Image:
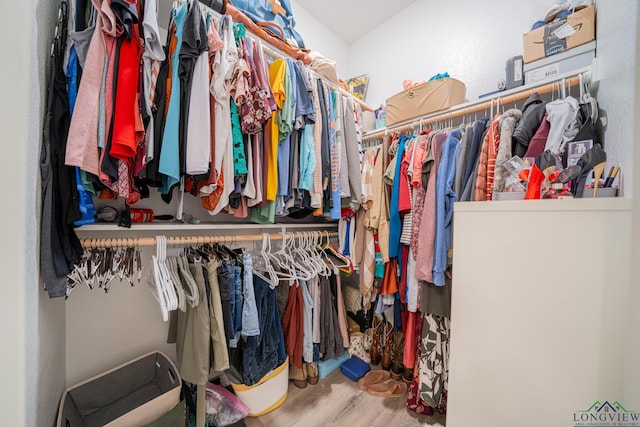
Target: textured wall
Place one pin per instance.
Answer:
(318, 37)
(45, 317)
(15, 31)
(471, 41)
(617, 26)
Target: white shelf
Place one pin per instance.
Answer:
(562, 205)
(175, 226)
(498, 95)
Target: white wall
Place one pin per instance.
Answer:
(104, 330)
(470, 40)
(616, 34)
(317, 37)
(473, 42)
(14, 115)
(539, 321)
(45, 317)
(632, 367)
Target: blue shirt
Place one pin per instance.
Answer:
(395, 222)
(336, 207)
(169, 164)
(445, 197)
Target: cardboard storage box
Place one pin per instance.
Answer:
(564, 62)
(426, 98)
(554, 37)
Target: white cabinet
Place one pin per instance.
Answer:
(540, 310)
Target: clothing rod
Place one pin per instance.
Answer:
(481, 106)
(130, 242)
(266, 45)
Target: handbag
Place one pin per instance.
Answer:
(269, 12)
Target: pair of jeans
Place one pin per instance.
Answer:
(250, 322)
(225, 280)
(236, 307)
(261, 353)
(220, 353)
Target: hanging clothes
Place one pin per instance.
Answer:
(60, 248)
(331, 344)
(169, 165)
(293, 325)
(194, 100)
(445, 197)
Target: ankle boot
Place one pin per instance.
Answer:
(312, 373)
(376, 342)
(398, 355)
(387, 350)
(356, 346)
(298, 376)
(367, 340)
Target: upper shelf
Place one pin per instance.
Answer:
(564, 205)
(177, 226)
(500, 99)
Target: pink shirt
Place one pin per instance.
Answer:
(425, 248)
(82, 141)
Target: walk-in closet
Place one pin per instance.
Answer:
(299, 213)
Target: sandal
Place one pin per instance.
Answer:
(388, 388)
(371, 378)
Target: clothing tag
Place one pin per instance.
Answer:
(564, 31)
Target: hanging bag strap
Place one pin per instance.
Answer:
(269, 27)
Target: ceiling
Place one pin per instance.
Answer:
(348, 19)
(352, 19)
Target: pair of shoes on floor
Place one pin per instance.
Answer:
(307, 375)
(379, 383)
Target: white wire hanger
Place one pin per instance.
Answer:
(262, 266)
(157, 282)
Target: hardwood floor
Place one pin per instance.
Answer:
(336, 401)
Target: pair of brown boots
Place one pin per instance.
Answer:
(387, 347)
(307, 375)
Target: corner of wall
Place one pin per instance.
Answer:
(617, 24)
(45, 318)
(632, 368)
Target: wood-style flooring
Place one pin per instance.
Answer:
(336, 401)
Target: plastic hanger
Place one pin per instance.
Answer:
(266, 248)
(271, 260)
(262, 265)
(329, 249)
(168, 285)
(304, 250)
(156, 284)
(172, 265)
(323, 267)
(192, 294)
(281, 259)
(301, 270)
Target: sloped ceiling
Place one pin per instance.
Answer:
(352, 19)
(348, 19)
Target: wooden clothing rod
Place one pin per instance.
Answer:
(131, 242)
(268, 46)
(481, 106)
